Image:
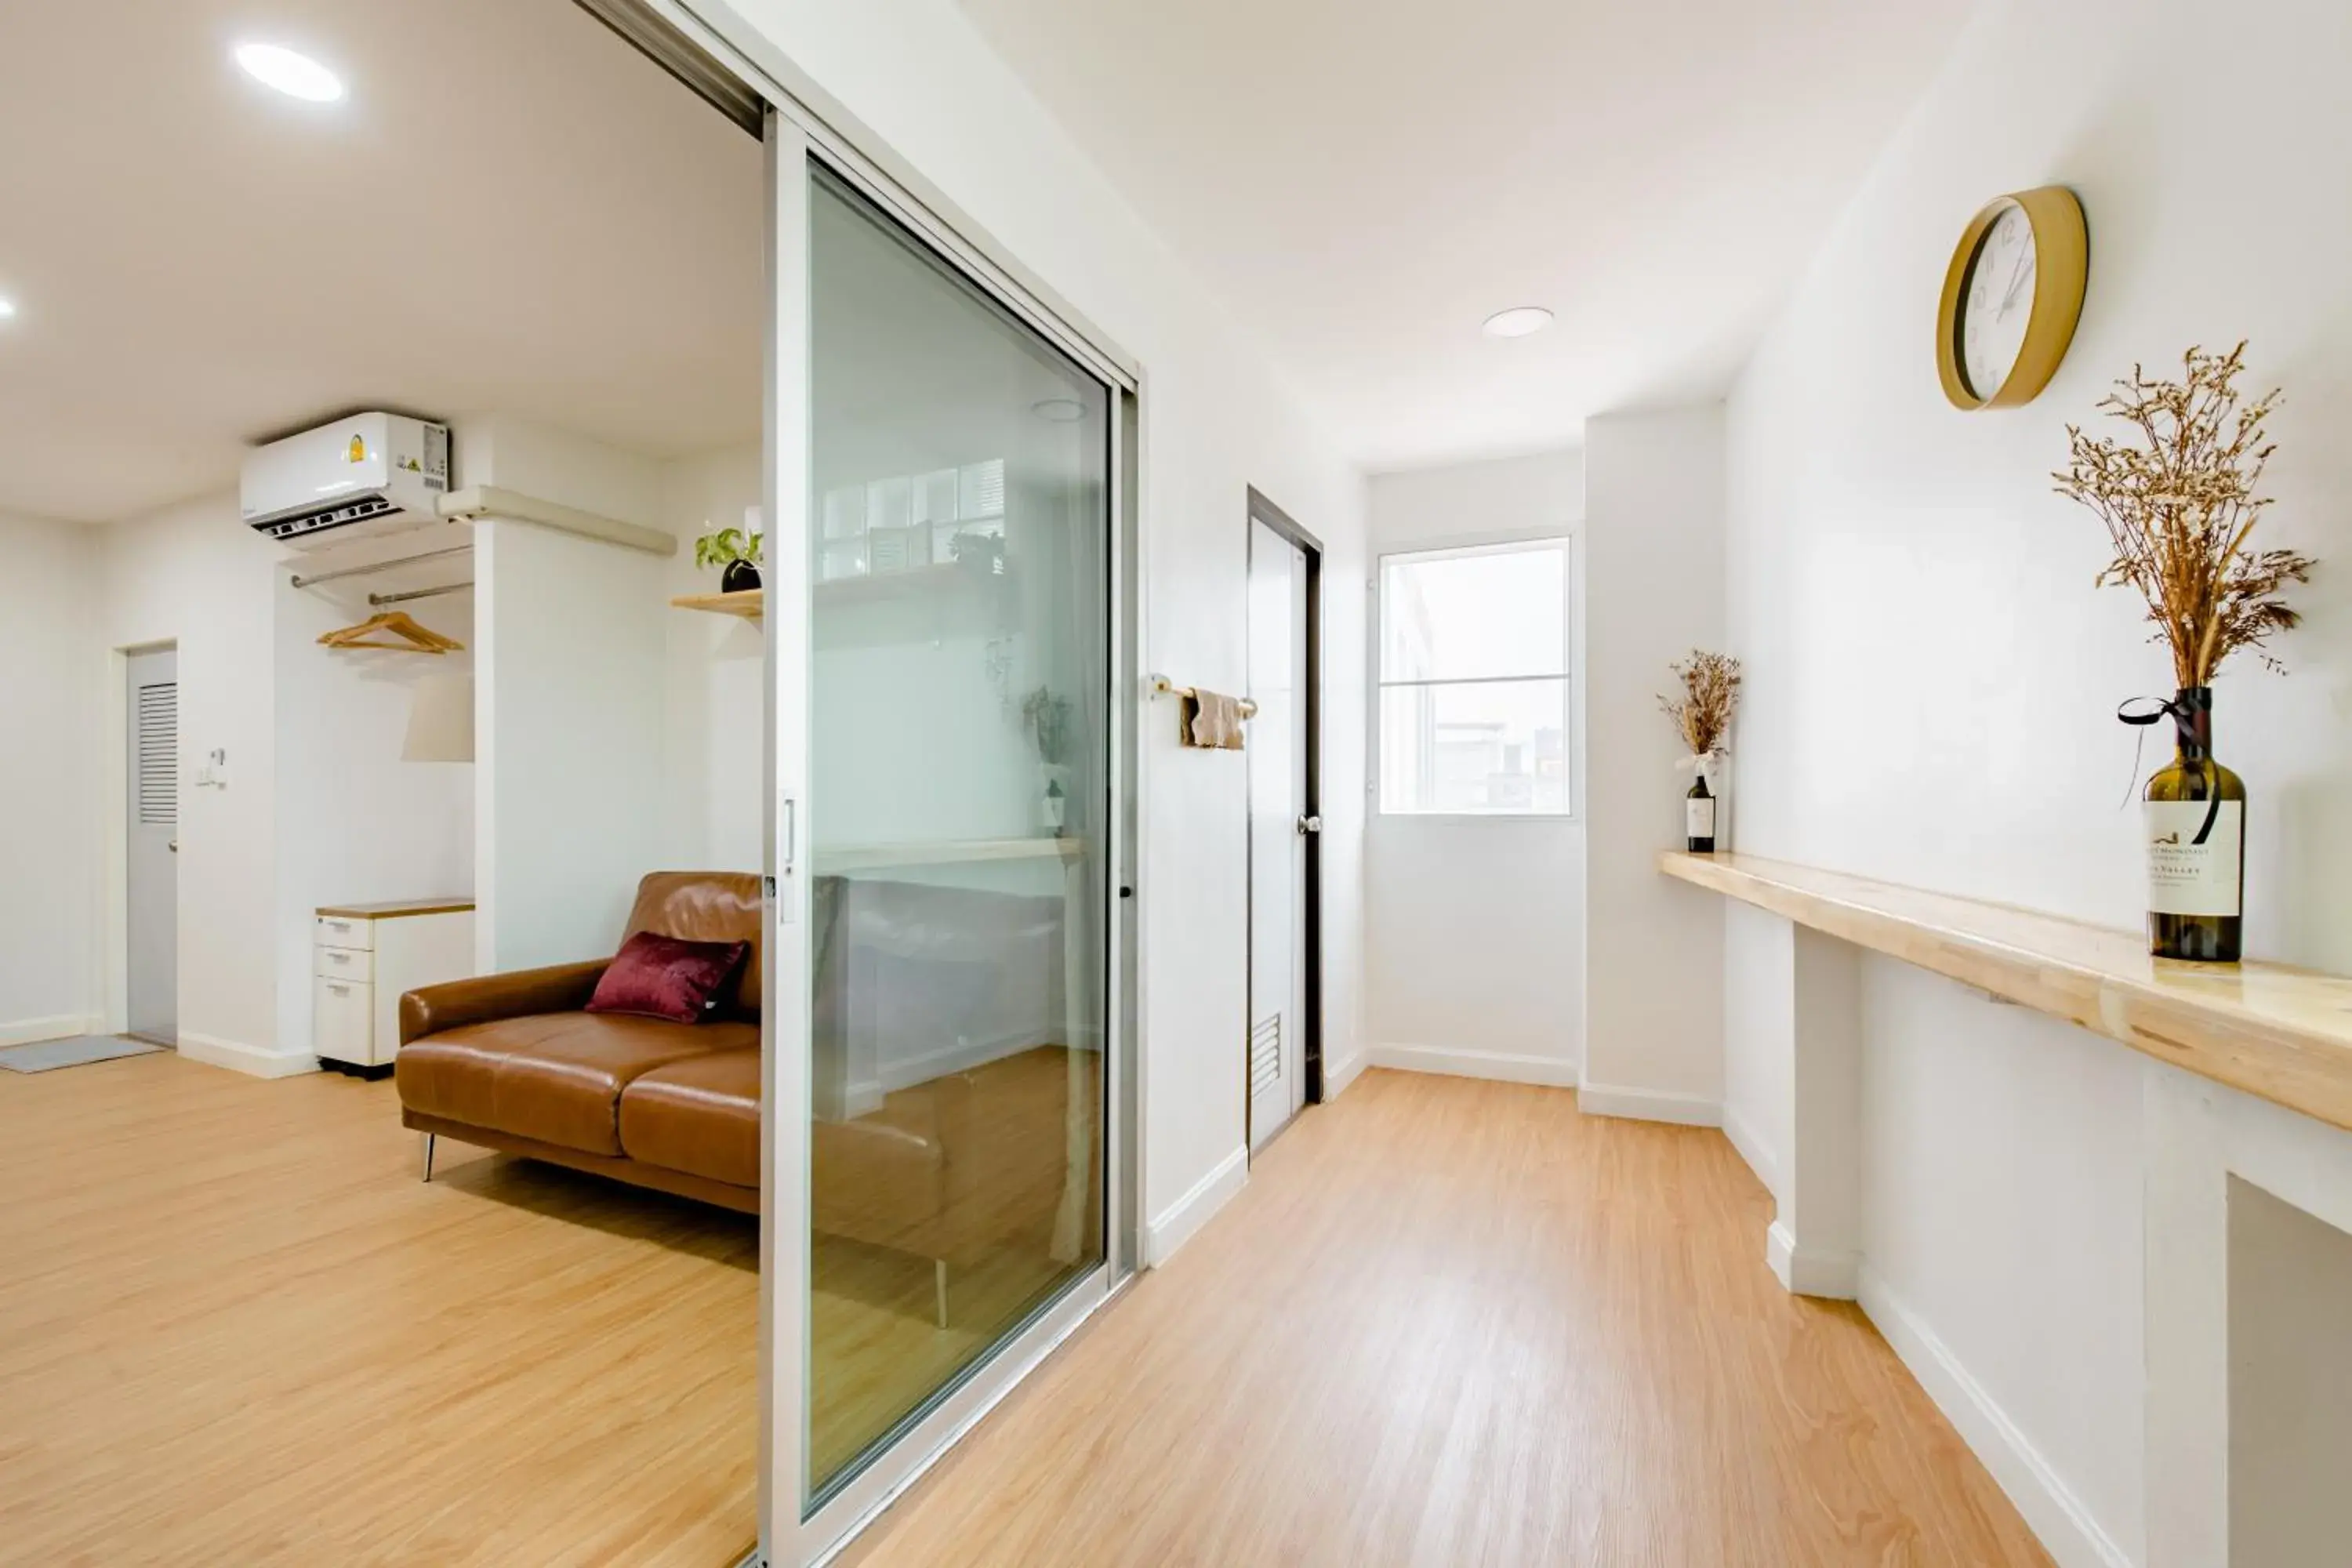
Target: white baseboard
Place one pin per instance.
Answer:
(249, 1060)
(2054, 1514)
(1501, 1066)
(1337, 1076)
(1752, 1149)
(1174, 1225)
(30, 1031)
(1648, 1105)
(1811, 1271)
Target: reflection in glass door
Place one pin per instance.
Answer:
(958, 816)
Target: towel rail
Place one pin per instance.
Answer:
(1163, 686)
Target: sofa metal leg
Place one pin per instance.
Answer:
(429, 1138)
(940, 1287)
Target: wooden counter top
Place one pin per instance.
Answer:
(945, 852)
(396, 908)
(2283, 1034)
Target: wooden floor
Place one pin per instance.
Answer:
(236, 1329)
(1447, 1323)
(1457, 1323)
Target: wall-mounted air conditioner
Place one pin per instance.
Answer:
(366, 475)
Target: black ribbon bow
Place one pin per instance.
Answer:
(2185, 726)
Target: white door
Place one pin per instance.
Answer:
(151, 961)
(1277, 789)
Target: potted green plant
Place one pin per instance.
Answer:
(734, 550)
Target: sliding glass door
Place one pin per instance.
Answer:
(958, 798)
(945, 539)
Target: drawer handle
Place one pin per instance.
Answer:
(339, 957)
(338, 988)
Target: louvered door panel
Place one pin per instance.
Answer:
(159, 754)
(1265, 1058)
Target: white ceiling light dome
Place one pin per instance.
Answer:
(295, 75)
(1518, 322)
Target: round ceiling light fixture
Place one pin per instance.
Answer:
(296, 75)
(1059, 410)
(8, 307)
(1518, 322)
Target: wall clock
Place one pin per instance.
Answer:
(2012, 297)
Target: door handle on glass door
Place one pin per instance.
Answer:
(1310, 825)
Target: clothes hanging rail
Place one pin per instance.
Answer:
(1163, 686)
(379, 600)
(313, 581)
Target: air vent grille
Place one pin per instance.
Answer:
(1265, 1056)
(333, 516)
(159, 754)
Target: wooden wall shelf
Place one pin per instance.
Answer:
(751, 604)
(2281, 1033)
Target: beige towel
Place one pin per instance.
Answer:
(1212, 721)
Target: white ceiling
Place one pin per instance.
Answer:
(511, 211)
(1363, 182)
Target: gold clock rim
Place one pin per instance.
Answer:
(2061, 269)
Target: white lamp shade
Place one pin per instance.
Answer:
(441, 720)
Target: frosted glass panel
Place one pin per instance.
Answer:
(958, 806)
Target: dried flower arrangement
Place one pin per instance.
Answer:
(2180, 510)
(1710, 693)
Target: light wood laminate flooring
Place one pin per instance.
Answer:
(1451, 1323)
(236, 1328)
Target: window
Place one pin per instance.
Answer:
(1474, 697)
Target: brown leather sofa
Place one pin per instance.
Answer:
(512, 1062)
(961, 1169)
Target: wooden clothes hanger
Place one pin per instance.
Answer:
(399, 624)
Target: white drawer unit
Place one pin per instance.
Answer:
(343, 963)
(343, 931)
(364, 957)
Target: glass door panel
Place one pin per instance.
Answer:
(959, 560)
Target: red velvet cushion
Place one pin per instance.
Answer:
(666, 977)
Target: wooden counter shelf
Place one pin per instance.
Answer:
(2279, 1032)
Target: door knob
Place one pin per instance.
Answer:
(1310, 825)
(173, 846)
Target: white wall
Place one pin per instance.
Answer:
(1653, 591)
(1216, 422)
(1931, 676)
(193, 573)
(2290, 1383)
(1473, 930)
(714, 778)
(356, 823)
(571, 670)
(52, 709)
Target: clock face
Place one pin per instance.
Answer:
(1998, 303)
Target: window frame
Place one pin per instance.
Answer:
(1569, 539)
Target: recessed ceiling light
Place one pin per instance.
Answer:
(296, 75)
(1518, 322)
(1060, 410)
(8, 308)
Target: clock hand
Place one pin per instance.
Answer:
(2017, 279)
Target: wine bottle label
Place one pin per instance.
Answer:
(2185, 876)
(1698, 817)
